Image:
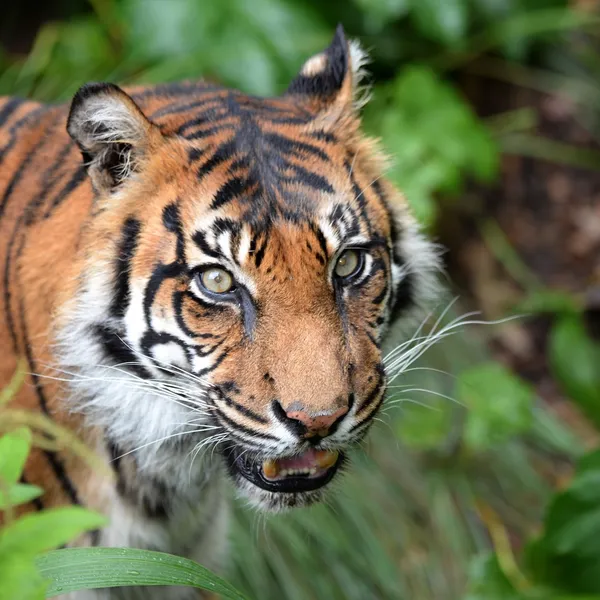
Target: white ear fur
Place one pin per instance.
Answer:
(111, 131)
(359, 58)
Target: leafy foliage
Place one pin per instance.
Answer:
(27, 572)
(575, 360)
(563, 563)
(434, 137)
(23, 538)
(499, 405)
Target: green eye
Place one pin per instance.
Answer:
(217, 281)
(348, 264)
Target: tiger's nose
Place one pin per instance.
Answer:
(310, 425)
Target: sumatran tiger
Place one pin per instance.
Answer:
(202, 297)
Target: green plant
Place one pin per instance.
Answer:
(25, 537)
(28, 570)
(563, 562)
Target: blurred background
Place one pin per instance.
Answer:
(490, 110)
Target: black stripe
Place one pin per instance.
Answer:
(403, 296)
(54, 460)
(243, 410)
(117, 350)
(246, 430)
(217, 362)
(195, 153)
(174, 108)
(199, 239)
(326, 136)
(16, 177)
(204, 133)
(78, 177)
(49, 179)
(205, 350)
(170, 218)
(223, 153)
(379, 385)
(359, 196)
(321, 239)
(260, 253)
(9, 108)
(294, 147)
(25, 120)
(161, 273)
(172, 222)
(307, 178)
(130, 232)
(230, 190)
(381, 296)
(22, 122)
(7, 286)
(173, 90)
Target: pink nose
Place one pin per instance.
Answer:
(317, 425)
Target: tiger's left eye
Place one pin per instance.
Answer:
(348, 264)
(217, 281)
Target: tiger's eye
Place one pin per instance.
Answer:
(217, 281)
(347, 264)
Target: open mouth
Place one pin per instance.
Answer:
(300, 473)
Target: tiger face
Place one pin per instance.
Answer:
(247, 259)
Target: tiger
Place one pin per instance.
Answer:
(200, 282)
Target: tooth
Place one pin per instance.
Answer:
(326, 458)
(312, 471)
(270, 469)
(283, 473)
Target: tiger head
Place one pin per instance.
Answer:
(242, 263)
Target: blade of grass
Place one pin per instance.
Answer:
(75, 569)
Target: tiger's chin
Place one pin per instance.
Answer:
(279, 484)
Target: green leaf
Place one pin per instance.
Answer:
(575, 360)
(19, 494)
(548, 301)
(91, 568)
(488, 582)
(424, 426)
(203, 39)
(377, 13)
(499, 405)
(14, 450)
(433, 136)
(20, 579)
(443, 21)
(567, 554)
(39, 532)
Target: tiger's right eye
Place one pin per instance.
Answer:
(348, 264)
(217, 281)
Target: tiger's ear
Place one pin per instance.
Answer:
(330, 80)
(111, 131)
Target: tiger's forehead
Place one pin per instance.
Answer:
(258, 169)
(254, 170)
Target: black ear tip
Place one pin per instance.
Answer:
(340, 34)
(92, 89)
(338, 49)
(339, 42)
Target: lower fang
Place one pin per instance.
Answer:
(270, 469)
(326, 458)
